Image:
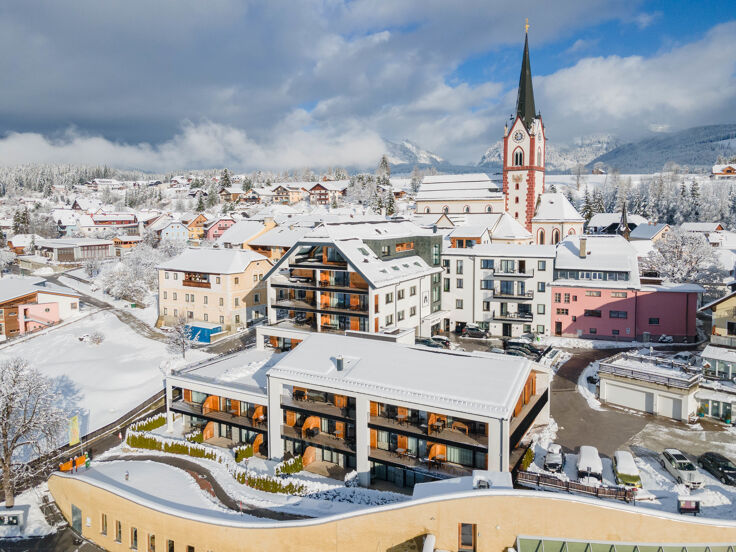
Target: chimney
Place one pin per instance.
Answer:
(583, 247)
(338, 363)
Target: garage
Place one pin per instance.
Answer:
(670, 407)
(630, 398)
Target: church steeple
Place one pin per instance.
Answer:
(525, 99)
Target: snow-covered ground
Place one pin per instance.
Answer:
(36, 524)
(100, 382)
(588, 390)
(147, 315)
(579, 343)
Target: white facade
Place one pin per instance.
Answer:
(523, 171)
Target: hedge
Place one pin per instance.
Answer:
(294, 465)
(151, 443)
(149, 424)
(243, 452)
(527, 459)
(269, 485)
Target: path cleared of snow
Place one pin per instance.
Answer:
(101, 382)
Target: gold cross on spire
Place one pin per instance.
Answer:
(526, 26)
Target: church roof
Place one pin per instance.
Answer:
(555, 207)
(525, 99)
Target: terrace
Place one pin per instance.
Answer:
(650, 369)
(458, 432)
(438, 468)
(255, 419)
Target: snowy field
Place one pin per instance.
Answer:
(100, 382)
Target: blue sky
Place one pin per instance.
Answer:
(181, 84)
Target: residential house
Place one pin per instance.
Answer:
(230, 194)
(720, 172)
(123, 243)
(289, 193)
(216, 227)
(366, 276)
(29, 304)
(215, 290)
(195, 223)
(240, 234)
(327, 192)
(610, 223)
(174, 231)
(650, 231)
(20, 244)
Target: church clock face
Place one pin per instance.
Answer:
(518, 136)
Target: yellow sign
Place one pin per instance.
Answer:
(73, 431)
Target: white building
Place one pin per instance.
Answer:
(459, 193)
(555, 218)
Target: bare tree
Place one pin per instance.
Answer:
(31, 420)
(7, 258)
(180, 338)
(91, 267)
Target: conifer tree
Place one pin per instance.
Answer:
(225, 179)
(587, 208)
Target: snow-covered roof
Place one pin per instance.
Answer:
(24, 240)
(484, 384)
(241, 231)
(603, 253)
(554, 206)
(332, 185)
(701, 226)
(385, 229)
(454, 187)
(213, 261)
(719, 353)
(508, 228)
(456, 178)
(504, 250)
(65, 217)
(647, 231)
(281, 236)
(603, 220)
(717, 301)
(717, 169)
(674, 287)
(61, 243)
(496, 480)
(10, 288)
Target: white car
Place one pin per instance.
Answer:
(554, 461)
(682, 469)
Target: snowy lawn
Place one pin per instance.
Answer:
(100, 382)
(36, 524)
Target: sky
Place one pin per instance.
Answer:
(176, 84)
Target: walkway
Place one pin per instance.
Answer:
(204, 475)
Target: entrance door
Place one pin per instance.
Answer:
(558, 328)
(506, 329)
(76, 519)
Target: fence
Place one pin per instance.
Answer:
(542, 480)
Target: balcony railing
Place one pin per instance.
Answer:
(441, 433)
(528, 273)
(677, 380)
(195, 409)
(513, 294)
(725, 340)
(196, 283)
(437, 468)
(513, 316)
(319, 437)
(302, 404)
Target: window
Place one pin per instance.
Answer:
(176, 275)
(654, 321)
(459, 266)
(166, 275)
(206, 300)
(540, 328)
(190, 548)
(618, 314)
(593, 313)
(516, 199)
(389, 319)
(151, 543)
(446, 265)
(730, 328)
(165, 295)
(540, 286)
(412, 311)
(614, 332)
(486, 306)
(618, 294)
(458, 303)
(413, 291)
(237, 280)
(446, 284)
(256, 297)
(518, 158)
(562, 311)
(400, 315)
(542, 265)
(567, 298)
(222, 319)
(222, 302)
(436, 254)
(103, 524)
(558, 297)
(217, 279)
(489, 209)
(540, 238)
(174, 295)
(190, 314)
(540, 308)
(255, 277)
(133, 538)
(574, 298)
(459, 283)
(166, 311)
(385, 250)
(593, 293)
(400, 295)
(466, 537)
(176, 312)
(237, 302)
(486, 264)
(169, 545)
(486, 284)
(593, 331)
(389, 298)
(118, 532)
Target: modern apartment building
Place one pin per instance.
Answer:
(392, 412)
(216, 290)
(502, 288)
(364, 276)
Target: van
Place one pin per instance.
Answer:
(589, 465)
(625, 469)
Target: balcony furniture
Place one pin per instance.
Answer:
(400, 452)
(439, 458)
(300, 396)
(460, 426)
(438, 426)
(401, 418)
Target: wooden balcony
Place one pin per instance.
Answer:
(196, 283)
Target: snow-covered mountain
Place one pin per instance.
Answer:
(560, 157)
(408, 153)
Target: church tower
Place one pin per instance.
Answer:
(524, 151)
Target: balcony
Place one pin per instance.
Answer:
(294, 304)
(305, 261)
(319, 438)
(448, 435)
(196, 283)
(513, 316)
(194, 409)
(501, 273)
(497, 294)
(306, 283)
(723, 340)
(438, 469)
(325, 409)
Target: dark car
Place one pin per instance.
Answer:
(531, 349)
(520, 352)
(472, 330)
(719, 467)
(428, 343)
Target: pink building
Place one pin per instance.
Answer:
(596, 293)
(217, 227)
(36, 316)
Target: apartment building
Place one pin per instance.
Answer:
(392, 412)
(502, 288)
(365, 276)
(216, 290)
(327, 192)
(597, 293)
(240, 234)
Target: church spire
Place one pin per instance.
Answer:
(525, 99)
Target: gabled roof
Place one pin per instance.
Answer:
(647, 231)
(213, 261)
(555, 207)
(281, 236)
(508, 228)
(241, 231)
(717, 302)
(11, 288)
(701, 226)
(604, 220)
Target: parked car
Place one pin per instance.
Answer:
(719, 467)
(528, 347)
(589, 466)
(521, 352)
(473, 330)
(555, 459)
(682, 469)
(515, 352)
(497, 350)
(427, 342)
(625, 470)
(442, 340)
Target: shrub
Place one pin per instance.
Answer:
(97, 337)
(243, 452)
(527, 460)
(295, 465)
(136, 440)
(269, 485)
(150, 423)
(195, 436)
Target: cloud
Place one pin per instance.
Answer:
(206, 144)
(581, 45)
(643, 20)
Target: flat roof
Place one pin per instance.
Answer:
(484, 384)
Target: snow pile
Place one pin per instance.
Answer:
(587, 390)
